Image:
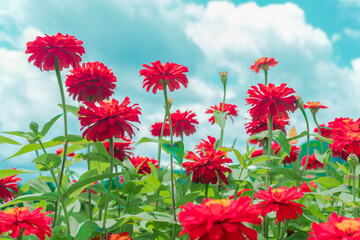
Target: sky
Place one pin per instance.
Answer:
(315, 42)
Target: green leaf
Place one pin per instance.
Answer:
(345, 170)
(289, 174)
(304, 133)
(150, 216)
(132, 187)
(37, 186)
(33, 197)
(191, 197)
(10, 172)
(327, 182)
(88, 230)
(176, 150)
(48, 125)
(220, 118)
(155, 140)
(72, 109)
(328, 140)
(8, 140)
(258, 136)
(47, 161)
(238, 155)
(25, 135)
(280, 138)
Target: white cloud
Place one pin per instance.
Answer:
(355, 34)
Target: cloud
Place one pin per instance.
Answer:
(352, 33)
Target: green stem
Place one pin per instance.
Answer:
(222, 110)
(89, 191)
(182, 140)
(307, 146)
(42, 146)
(284, 230)
(354, 192)
(126, 210)
(111, 141)
(319, 129)
(341, 209)
(359, 185)
(171, 158)
(21, 234)
(58, 76)
(279, 230)
(266, 77)
(118, 189)
(270, 130)
(206, 190)
(237, 185)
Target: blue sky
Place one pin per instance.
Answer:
(315, 42)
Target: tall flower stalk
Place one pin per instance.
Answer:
(223, 77)
(111, 141)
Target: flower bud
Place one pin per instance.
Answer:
(353, 160)
(170, 101)
(223, 77)
(34, 127)
(299, 102)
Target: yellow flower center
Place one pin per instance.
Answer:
(278, 192)
(354, 135)
(15, 211)
(348, 226)
(224, 202)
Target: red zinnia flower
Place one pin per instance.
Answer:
(93, 81)
(229, 108)
(341, 228)
(183, 122)
(313, 163)
(85, 190)
(108, 120)
(220, 219)
(156, 129)
(239, 193)
(144, 161)
(259, 126)
(60, 150)
(206, 145)
(279, 200)
(324, 131)
(208, 167)
(171, 73)
(19, 218)
(272, 100)
(314, 106)
(113, 236)
(304, 188)
(8, 187)
(44, 50)
(121, 149)
(263, 63)
(346, 140)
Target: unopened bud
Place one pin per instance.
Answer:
(353, 160)
(299, 102)
(223, 77)
(34, 127)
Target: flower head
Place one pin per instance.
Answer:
(156, 129)
(60, 150)
(44, 50)
(294, 152)
(170, 73)
(144, 162)
(313, 163)
(341, 228)
(223, 77)
(271, 100)
(122, 149)
(113, 236)
(263, 63)
(346, 140)
(209, 165)
(91, 82)
(230, 110)
(280, 200)
(220, 219)
(314, 106)
(108, 120)
(205, 146)
(9, 187)
(183, 121)
(19, 218)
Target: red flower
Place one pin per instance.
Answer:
(313, 163)
(229, 108)
(208, 166)
(85, 190)
(260, 126)
(239, 193)
(44, 50)
(206, 145)
(156, 129)
(341, 228)
(314, 106)
(171, 73)
(346, 140)
(263, 63)
(113, 236)
(183, 121)
(60, 150)
(91, 82)
(19, 218)
(324, 131)
(122, 149)
(8, 187)
(304, 188)
(220, 219)
(108, 120)
(144, 161)
(272, 100)
(279, 200)
(294, 152)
